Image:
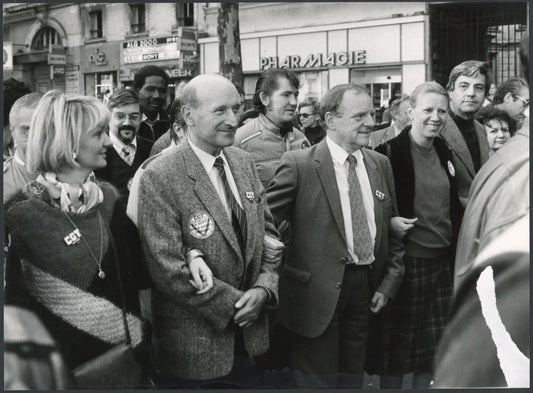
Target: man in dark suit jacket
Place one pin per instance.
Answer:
(342, 261)
(203, 199)
(468, 85)
(151, 83)
(129, 150)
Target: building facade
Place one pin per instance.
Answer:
(91, 48)
(389, 47)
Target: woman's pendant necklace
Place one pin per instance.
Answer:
(101, 273)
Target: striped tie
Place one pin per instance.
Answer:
(362, 242)
(238, 220)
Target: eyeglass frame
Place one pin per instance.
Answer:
(306, 115)
(127, 116)
(525, 101)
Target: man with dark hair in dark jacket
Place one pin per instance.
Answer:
(151, 83)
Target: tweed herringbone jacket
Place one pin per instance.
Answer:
(179, 208)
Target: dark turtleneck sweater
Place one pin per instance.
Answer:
(468, 130)
(314, 134)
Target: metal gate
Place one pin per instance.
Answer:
(489, 32)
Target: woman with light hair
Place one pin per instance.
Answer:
(74, 258)
(406, 332)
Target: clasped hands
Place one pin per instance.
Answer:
(249, 306)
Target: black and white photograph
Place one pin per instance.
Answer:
(266, 196)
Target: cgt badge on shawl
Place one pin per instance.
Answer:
(201, 225)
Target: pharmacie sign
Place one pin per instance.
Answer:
(335, 59)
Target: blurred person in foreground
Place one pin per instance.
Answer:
(407, 332)
(498, 125)
(16, 173)
(73, 257)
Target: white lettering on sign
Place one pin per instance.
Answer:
(335, 59)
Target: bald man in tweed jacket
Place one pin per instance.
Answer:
(179, 209)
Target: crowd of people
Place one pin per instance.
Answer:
(214, 246)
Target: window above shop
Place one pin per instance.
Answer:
(185, 14)
(137, 18)
(44, 38)
(95, 24)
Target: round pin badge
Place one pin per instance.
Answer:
(451, 169)
(201, 225)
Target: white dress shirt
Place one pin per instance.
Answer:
(340, 164)
(118, 145)
(208, 162)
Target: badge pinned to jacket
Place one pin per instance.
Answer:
(451, 169)
(201, 225)
(380, 195)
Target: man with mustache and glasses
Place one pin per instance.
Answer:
(129, 150)
(468, 85)
(270, 135)
(151, 83)
(512, 97)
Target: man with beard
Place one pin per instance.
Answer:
(270, 135)
(151, 83)
(129, 150)
(468, 85)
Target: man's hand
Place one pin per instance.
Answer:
(249, 306)
(379, 300)
(201, 274)
(400, 225)
(272, 249)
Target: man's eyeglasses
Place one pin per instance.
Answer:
(122, 116)
(524, 100)
(305, 115)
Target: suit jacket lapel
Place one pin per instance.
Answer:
(456, 141)
(375, 184)
(208, 196)
(326, 173)
(482, 141)
(244, 185)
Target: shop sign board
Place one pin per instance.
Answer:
(55, 59)
(72, 79)
(156, 48)
(57, 71)
(335, 59)
(8, 56)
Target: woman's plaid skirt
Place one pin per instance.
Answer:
(406, 334)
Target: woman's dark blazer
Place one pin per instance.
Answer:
(399, 152)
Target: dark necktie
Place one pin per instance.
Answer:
(238, 218)
(362, 242)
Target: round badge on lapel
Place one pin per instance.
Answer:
(201, 225)
(451, 169)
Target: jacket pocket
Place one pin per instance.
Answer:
(297, 274)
